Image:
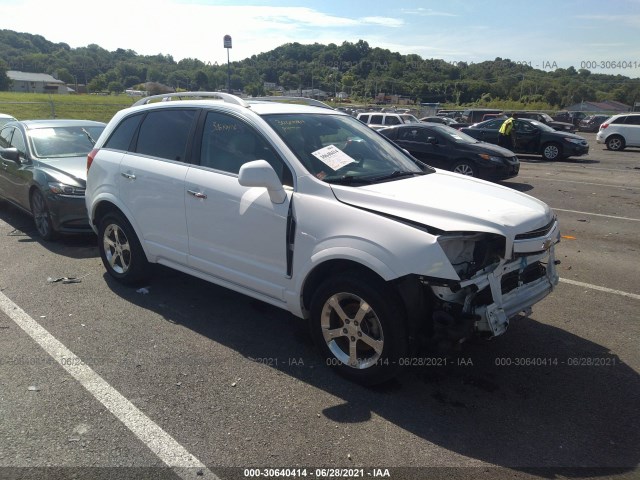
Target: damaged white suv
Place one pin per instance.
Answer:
(310, 210)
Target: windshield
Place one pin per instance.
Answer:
(60, 142)
(409, 119)
(340, 149)
(455, 135)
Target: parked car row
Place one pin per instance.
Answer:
(307, 209)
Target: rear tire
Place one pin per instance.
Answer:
(359, 326)
(615, 143)
(120, 250)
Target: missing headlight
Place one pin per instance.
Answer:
(471, 252)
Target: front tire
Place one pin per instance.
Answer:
(465, 167)
(42, 216)
(120, 250)
(615, 143)
(551, 151)
(359, 325)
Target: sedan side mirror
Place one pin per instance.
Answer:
(432, 140)
(12, 154)
(260, 174)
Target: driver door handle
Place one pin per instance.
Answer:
(197, 194)
(130, 176)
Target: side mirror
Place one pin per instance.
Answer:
(432, 140)
(11, 154)
(260, 174)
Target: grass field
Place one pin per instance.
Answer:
(28, 106)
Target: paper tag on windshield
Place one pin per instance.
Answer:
(333, 157)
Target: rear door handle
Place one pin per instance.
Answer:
(130, 176)
(197, 194)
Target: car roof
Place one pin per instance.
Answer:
(260, 107)
(31, 124)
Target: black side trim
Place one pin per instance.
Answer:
(291, 237)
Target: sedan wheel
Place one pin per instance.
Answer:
(465, 168)
(551, 151)
(120, 250)
(41, 216)
(359, 327)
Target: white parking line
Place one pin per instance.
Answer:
(602, 289)
(155, 438)
(581, 183)
(597, 214)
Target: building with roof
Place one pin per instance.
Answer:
(606, 106)
(27, 82)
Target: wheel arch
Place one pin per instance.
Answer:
(329, 268)
(408, 288)
(105, 206)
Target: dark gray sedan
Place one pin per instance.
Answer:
(43, 170)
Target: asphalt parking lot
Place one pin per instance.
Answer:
(98, 380)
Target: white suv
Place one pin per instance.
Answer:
(308, 209)
(620, 131)
(379, 120)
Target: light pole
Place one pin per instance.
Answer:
(227, 45)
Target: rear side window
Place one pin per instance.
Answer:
(376, 120)
(122, 136)
(166, 133)
(633, 120)
(391, 120)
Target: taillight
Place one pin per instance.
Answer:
(90, 157)
(603, 126)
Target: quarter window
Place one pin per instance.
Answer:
(19, 142)
(5, 137)
(122, 136)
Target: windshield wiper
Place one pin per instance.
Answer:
(93, 142)
(396, 174)
(348, 180)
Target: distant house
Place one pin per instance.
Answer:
(606, 106)
(26, 82)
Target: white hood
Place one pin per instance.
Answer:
(451, 202)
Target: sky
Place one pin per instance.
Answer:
(602, 36)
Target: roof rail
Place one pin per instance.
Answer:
(165, 97)
(301, 100)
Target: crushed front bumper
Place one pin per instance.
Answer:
(508, 302)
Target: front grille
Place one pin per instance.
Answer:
(540, 232)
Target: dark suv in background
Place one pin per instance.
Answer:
(547, 120)
(569, 117)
